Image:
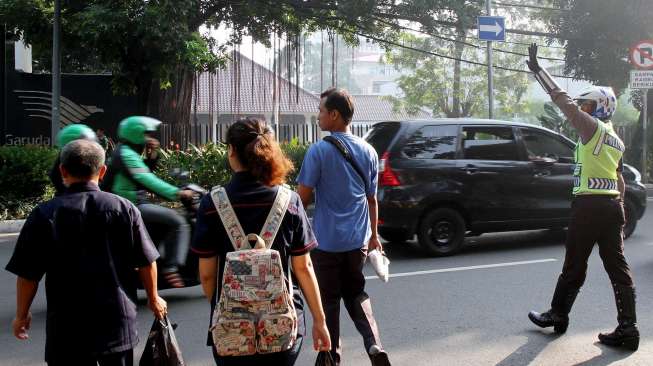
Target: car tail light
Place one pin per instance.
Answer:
(387, 177)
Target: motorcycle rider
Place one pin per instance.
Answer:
(597, 209)
(130, 176)
(67, 134)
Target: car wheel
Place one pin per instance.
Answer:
(394, 236)
(631, 221)
(442, 232)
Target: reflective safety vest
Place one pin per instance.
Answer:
(597, 162)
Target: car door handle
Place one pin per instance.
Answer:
(469, 169)
(542, 173)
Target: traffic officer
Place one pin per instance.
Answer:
(597, 209)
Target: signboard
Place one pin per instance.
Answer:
(641, 55)
(491, 28)
(641, 79)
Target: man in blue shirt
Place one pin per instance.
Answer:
(345, 221)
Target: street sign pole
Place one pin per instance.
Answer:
(644, 137)
(56, 72)
(490, 78)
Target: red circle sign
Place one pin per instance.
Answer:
(641, 55)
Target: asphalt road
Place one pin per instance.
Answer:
(464, 310)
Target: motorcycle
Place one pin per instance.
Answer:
(190, 271)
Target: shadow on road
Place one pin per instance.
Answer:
(524, 355)
(607, 357)
(495, 242)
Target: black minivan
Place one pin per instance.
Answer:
(444, 179)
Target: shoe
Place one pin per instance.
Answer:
(626, 335)
(378, 356)
(623, 336)
(558, 316)
(550, 319)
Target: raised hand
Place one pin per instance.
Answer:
(532, 63)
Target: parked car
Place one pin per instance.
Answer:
(445, 179)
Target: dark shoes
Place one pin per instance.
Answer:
(558, 317)
(624, 336)
(378, 356)
(550, 319)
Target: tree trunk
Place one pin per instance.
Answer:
(457, 92)
(172, 106)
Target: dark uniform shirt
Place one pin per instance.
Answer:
(88, 244)
(252, 202)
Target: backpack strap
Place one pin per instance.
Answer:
(275, 217)
(229, 219)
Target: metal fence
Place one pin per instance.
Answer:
(202, 133)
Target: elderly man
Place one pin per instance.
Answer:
(88, 243)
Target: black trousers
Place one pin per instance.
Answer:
(595, 220)
(340, 276)
(177, 237)
(125, 358)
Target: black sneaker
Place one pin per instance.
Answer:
(378, 356)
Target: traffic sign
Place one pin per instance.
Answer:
(641, 55)
(491, 28)
(641, 79)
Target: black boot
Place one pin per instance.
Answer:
(558, 316)
(626, 334)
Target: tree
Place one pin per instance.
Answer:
(153, 48)
(448, 90)
(598, 34)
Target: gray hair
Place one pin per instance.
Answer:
(82, 158)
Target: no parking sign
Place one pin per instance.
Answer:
(641, 55)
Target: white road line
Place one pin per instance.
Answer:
(456, 269)
(7, 235)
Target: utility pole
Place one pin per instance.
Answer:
(490, 82)
(56, 72)
(644, 137)
(3, 83)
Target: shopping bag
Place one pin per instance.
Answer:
(324, 358)
(380, 263)
(162, 348)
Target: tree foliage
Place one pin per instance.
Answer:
(432, 83)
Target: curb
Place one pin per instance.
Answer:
(11, 226)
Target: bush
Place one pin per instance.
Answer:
(208, 165)
(24, 179)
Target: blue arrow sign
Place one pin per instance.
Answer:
(491, 28)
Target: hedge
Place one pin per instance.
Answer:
(24, 171)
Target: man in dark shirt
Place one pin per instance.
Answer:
(88, 243)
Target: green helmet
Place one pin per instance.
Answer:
(132, 129)
(73, 132)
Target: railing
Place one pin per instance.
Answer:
(199, 134)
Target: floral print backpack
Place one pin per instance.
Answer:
(255, 312)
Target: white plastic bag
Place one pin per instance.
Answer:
(380, 263)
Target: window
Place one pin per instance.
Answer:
(380, 136)
(433, 142)
(540, 144)
(489, 143)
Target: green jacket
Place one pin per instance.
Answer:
(129, 174)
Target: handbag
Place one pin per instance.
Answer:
(324, 358)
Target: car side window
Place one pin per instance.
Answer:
(433, 142)
(540, 144)
(489, 143)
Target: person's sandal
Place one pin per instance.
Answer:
(174, 279)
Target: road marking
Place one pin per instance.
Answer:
(8, 235)
(468, 268)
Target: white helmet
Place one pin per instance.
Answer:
(603, 96)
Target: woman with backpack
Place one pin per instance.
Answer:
(256, 315)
